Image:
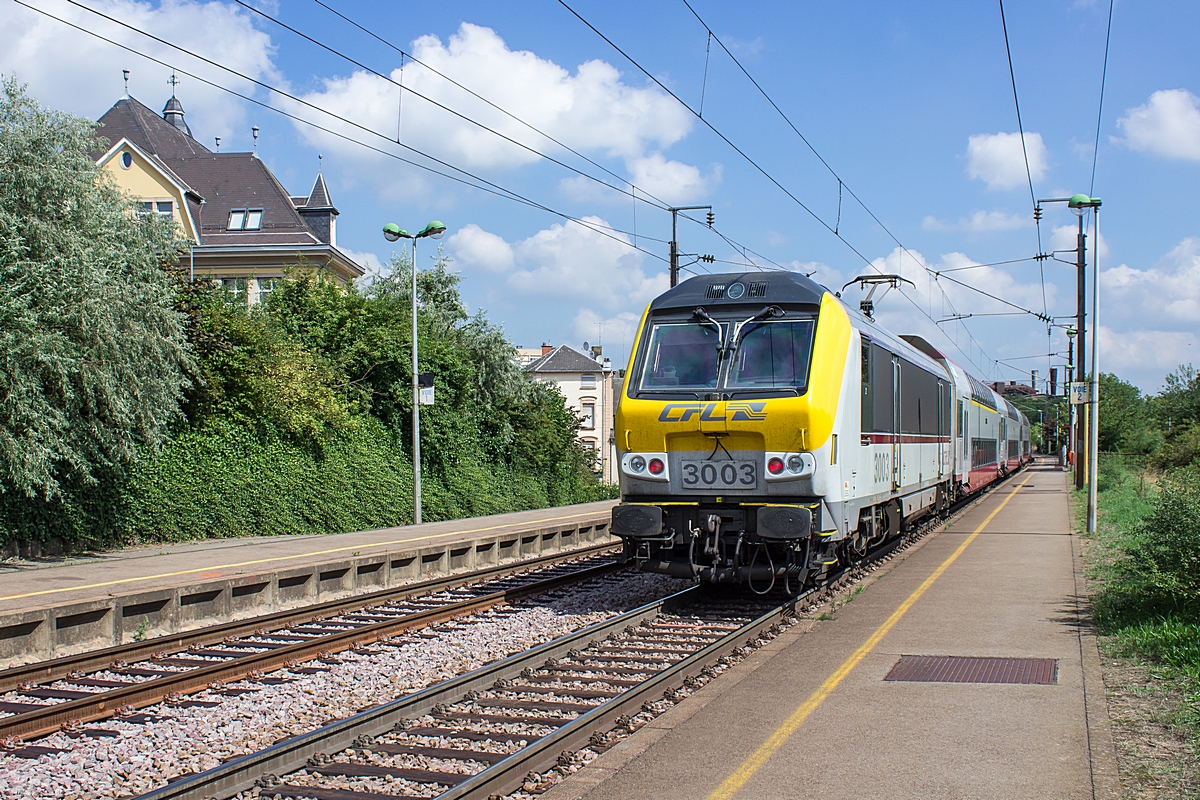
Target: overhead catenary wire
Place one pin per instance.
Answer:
(1024, 152)
(1100, 110)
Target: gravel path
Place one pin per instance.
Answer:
(184, 740)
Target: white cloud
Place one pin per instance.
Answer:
(1168, 125)
(575, 262)
(368, 261)
(980, 222)
(1168, 293)
(616, 333)
(671, 181)
(592, 109)
(997, 159)
(474, 248)
(1145, 356)
(70, 70)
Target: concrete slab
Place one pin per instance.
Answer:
(814, 717)
(50, 609)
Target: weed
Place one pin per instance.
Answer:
(825, 615)
(143, 627)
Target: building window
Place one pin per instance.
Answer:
(587, 382)
(163, 208)
(589, 417)
(245, 220)
(126, 160)
(265, 287)
(236, 287)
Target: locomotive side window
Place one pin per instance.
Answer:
(882, 389)
(773, 355)
(868, 390)
(682, 356)
(919, 399)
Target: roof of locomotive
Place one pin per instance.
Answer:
(741, 288)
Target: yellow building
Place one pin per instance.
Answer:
(245, 227)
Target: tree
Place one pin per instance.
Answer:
(93, 350)
(1125, 421)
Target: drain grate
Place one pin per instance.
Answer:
(960, 669)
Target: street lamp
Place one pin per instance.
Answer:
(394, 233)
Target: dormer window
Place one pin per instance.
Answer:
(245, 219)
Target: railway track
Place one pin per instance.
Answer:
(62, 694)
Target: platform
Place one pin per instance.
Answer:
(50, 609)
(814, 713)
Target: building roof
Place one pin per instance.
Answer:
(139, 124)
(229, 181)
(564, 359)
(319, 196)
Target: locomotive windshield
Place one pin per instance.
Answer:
(683, 355)
(768, 356)
(772, 355)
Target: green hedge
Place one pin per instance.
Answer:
(226, 479)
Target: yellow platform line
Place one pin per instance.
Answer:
(218, 567)
(751, 765)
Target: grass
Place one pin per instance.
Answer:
(1143, 570)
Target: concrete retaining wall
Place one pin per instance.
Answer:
(40, 634)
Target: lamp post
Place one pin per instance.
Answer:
(1079, 204)
(393, 233)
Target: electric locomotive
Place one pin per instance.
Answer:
(767, 433)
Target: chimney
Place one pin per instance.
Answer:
(1012, 383)
(546, 348)
(597, 351)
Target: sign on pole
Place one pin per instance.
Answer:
(426, 395)
(1081, 393)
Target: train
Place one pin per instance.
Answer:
(767, 433)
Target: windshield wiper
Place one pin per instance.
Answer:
(702, 315)
(767, 313)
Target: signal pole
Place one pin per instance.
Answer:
(674, 241)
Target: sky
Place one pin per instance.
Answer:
(900, 134)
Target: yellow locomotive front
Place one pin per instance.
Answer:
(726, 429)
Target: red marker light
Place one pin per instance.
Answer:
(775, 466)
(656, 466)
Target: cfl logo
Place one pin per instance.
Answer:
(741, 412)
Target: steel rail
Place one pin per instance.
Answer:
(104, 704)
(94, 660)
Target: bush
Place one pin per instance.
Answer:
(1164, 551)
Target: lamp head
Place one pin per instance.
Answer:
(434, 230)
(393, 232)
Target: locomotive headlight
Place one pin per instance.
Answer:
(645, 466)
(782, 466)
